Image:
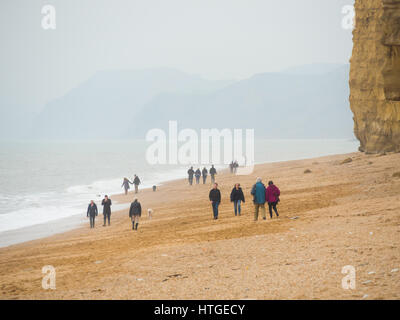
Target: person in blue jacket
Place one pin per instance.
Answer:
(258, 193)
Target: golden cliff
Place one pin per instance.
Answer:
(375, 75)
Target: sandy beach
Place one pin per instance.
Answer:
(341, 213)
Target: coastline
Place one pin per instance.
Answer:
(61, 225)
(342, 213)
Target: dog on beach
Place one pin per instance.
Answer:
(150, 212)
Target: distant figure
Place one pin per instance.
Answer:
(92, 213)
(197, 174)
(126, 186)
(258, 192)
(135, 212)
(213, 172)
(106, 203)
(231, 167)
(272, 196)
(204, 172)
(154, 188)
(235, 166)
(190, 174)
(136, 182)
(150, 213)
(237, 197)
(215, 198)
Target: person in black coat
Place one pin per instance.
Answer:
(204, 173)
(213, 172)
(215, 198)
(237, 197)
(106, 203)
(92, 213)
(136, 182)
(197, 174)
(135, 212)
(190, 174)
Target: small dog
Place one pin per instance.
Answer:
(150, 212)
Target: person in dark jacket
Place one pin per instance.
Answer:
(235, 166)
(126, 186)
(204, 172)
(92, 213)
(215, 198)
(190, 174)
(258, 192)
(136, 182)
(272, 196)
(197, 174)
(213, 172)
(237, 197)
(106, 203)
(135, 212)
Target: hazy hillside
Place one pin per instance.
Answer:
(103, 106)
(302, 102)
(276, 105)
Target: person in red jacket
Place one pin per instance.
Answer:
(272, 194)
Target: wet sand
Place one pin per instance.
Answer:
(339, 214)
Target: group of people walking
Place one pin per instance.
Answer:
(203, 173)
(92, 211)
(233, 166)
(135, 212)
(126, 184)
(261, 195)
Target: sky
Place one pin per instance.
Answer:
(217, 39)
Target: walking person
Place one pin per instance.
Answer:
(237, 197)
(126, 186)
(215, 198)
(136, 182)
(204, 172)
(197, 174)
(213, 172)
(92, 213)
(235, 166)
(272, 196)
(190, 174)
(135, 212)
(106, 203)
(258, 192)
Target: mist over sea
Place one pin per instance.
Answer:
(43, 181)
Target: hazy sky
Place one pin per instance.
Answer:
(218, 39)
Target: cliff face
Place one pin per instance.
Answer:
(375, 75)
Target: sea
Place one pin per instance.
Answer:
(45, 181)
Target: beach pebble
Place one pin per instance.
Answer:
(139, 279)
(164, 255)
(371, 272)
(365, 296)
(294, 218)
(394, 270)
(98, 262)
(366, 282)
